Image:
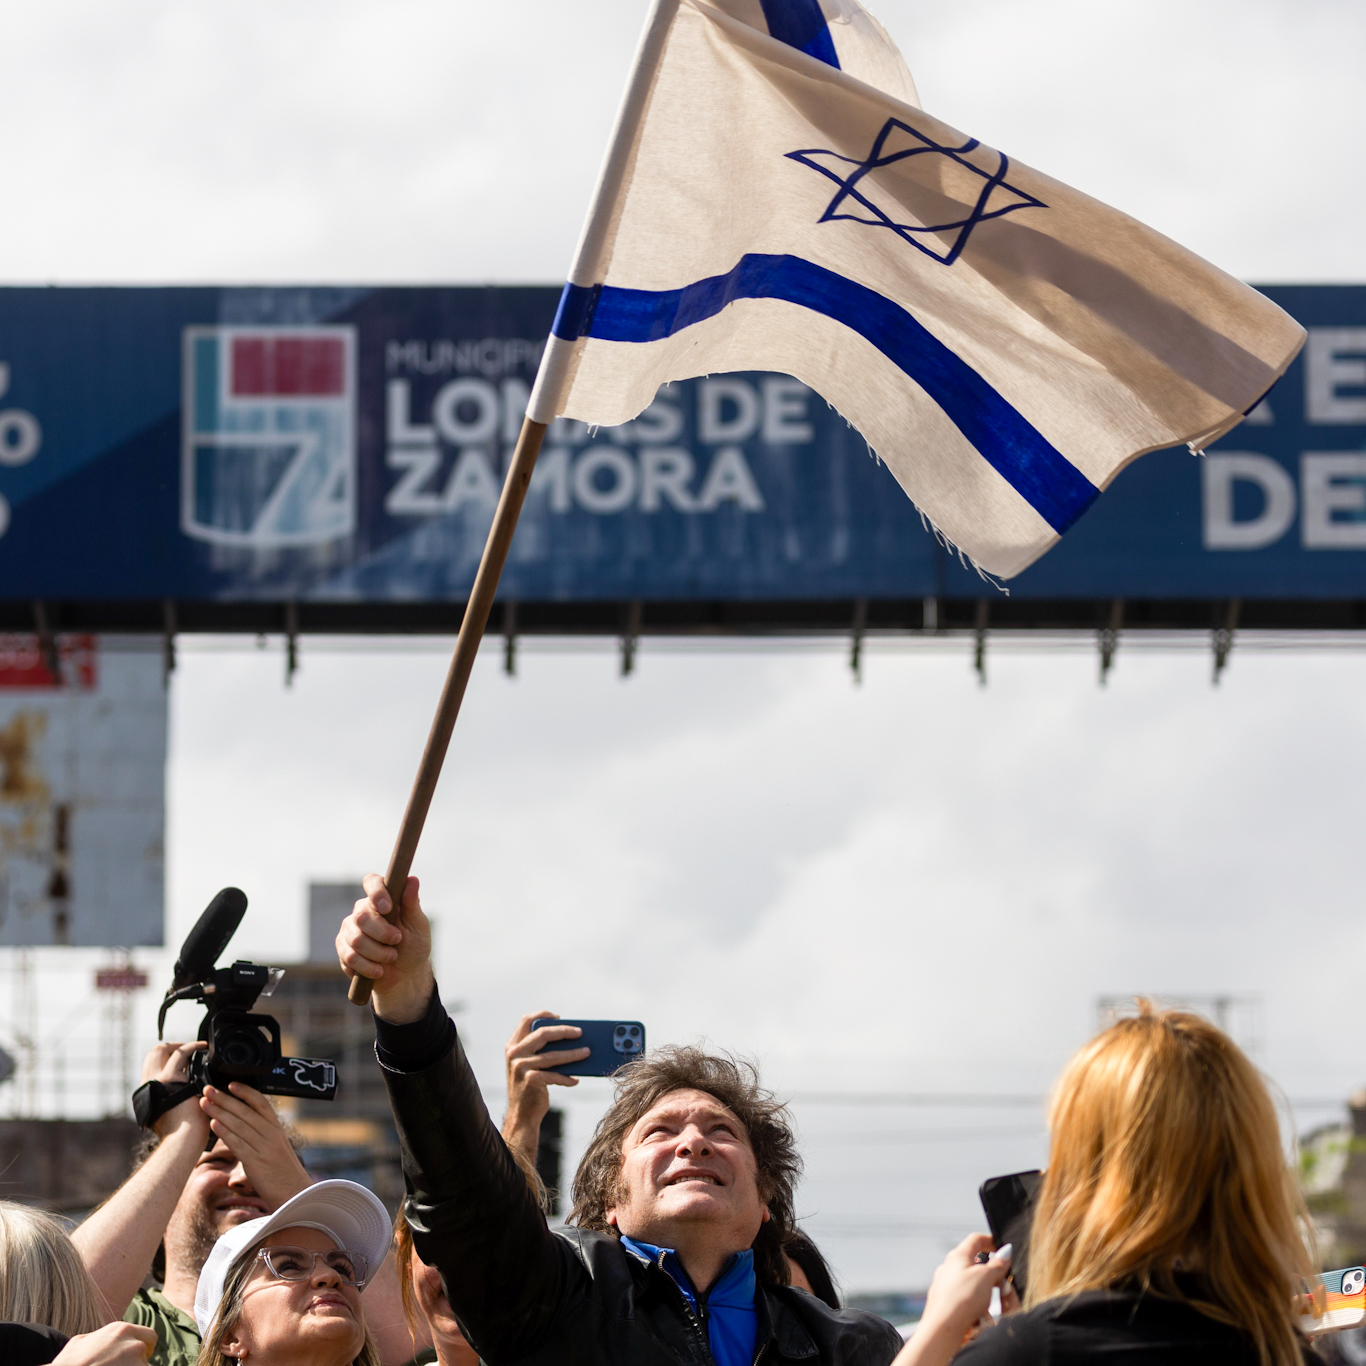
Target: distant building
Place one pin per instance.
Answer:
(352, 1136)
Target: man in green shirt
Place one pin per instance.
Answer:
(177, 1333)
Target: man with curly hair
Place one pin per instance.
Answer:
(681, 1205)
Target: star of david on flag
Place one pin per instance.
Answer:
(774, 199)
(858, 201)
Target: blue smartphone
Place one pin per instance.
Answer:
(614, 1044)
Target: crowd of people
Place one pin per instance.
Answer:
(1168, 1227)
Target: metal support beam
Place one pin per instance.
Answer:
(630, 636)
(1108, 638)
(1223, 637)
(859, 625)
(167, 642)
(291, 642)
(59, 884)
(510, 639)
(47, 642)
(979, 649)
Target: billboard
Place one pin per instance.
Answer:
(82, 791)
(346, 445)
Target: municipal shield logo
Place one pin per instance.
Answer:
(269, 451)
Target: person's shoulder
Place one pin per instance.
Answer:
(1077, 1327)
(590, 1246)
(610, 1267)
(152, 1307)
(1146, 1317)
(177, 1333)
(143, 1310)
(1019, 1337)
(29, 1344)
(801, 1321)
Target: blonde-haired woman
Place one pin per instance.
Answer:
(42, 1277)
(1169, 1227)
(47, 1296)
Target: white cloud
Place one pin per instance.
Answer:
(356, 141)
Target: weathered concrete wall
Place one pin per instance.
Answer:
(65, 1164)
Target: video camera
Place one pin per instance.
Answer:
(241, 1046)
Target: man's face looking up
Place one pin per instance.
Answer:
(688, 1171)
(218, 1196)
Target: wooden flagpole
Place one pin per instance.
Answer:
(551, 381)
(472, 626)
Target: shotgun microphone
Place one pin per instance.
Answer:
(204, 944)
(241, 1046)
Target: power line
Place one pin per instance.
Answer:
(928, 1098)
(894, 1228)
(948, 1099)
(982, 1131)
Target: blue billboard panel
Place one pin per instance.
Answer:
(347, 445)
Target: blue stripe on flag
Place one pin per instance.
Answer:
(1033, 467)
(574, 314)
(800, 24)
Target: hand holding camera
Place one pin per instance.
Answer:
(169, 1064)
(252, 1131)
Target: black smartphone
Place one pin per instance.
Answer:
(614, 1044)
(1008, 1202)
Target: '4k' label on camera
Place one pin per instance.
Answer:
(269, 450)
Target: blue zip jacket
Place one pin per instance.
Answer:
(728, 1309)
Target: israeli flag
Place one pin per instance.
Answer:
(774, 199)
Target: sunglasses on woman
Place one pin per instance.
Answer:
(297, 1263)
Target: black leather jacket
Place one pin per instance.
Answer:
(523, 1294)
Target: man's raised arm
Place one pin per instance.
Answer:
(472, 1213)
(118, 1241)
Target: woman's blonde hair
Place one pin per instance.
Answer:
(211, 1351)
(42, 1277)
(1166, 1158)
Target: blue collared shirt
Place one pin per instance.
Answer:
(728, 1310)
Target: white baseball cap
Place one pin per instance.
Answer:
(350, 1215)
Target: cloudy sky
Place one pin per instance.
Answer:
(916, 885)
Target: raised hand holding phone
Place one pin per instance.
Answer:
(531, 1070)
(608, 1045)
(959, 1298)
(1336, 1300)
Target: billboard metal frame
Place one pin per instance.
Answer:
(856, 620)
(697, 617)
